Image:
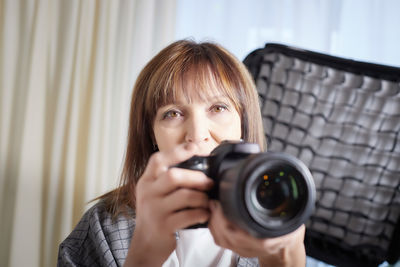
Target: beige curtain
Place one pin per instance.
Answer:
(66, 72)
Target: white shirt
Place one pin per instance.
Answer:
(196, 247)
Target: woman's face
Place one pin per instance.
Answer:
(205, 121)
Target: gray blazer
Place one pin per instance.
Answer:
(97, 240)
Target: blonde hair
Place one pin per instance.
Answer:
(207, 66)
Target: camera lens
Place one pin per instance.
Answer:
(267, 194)
(278, 194)
(272, 194)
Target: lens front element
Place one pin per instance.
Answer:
(278, 193)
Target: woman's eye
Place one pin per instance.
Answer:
(172, 114)
(219, 108)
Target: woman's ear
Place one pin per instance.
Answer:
(154, 142)
(155, 147)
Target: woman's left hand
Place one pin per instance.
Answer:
(286, 250)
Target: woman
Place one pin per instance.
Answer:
(187, 100)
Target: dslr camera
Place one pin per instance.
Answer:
(267, 194)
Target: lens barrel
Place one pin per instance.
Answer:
(268, 194)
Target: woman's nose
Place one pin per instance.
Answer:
(197, 129)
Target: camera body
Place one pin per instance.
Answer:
(267, 194)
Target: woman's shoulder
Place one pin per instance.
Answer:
(100, 218)
(100, 213)
(99, 236)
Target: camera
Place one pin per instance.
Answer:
(267, 194)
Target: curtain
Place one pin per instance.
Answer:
(66, 75)
(365, 30)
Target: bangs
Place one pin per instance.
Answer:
(197, 79)
(201, 82)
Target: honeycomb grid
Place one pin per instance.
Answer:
(345, 127)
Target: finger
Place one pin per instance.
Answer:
(218, 216)
(293, 238)
(160, 162)
(185, 218)
(230, 236)
(175, 178)
(218, 225)
(185, 198)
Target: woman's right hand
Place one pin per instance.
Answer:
(167, 199)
